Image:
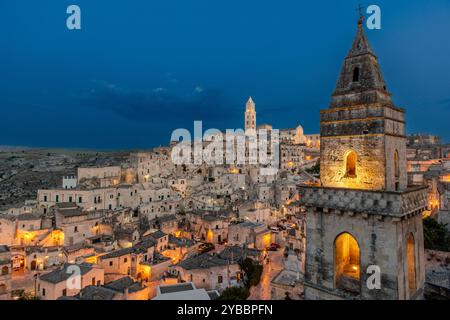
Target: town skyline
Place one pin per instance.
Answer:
(357, 210)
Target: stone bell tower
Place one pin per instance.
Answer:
(250, 116)
(363, 219)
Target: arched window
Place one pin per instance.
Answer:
(347, 267)
(411, 255)
(356, 74)
(350, 164)
(396, 165)
(5, 270)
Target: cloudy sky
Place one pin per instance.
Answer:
(140, 69)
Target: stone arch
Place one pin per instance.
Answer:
(411, 262)
(350, 164)
(347, 262)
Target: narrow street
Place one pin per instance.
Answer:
(262, 290)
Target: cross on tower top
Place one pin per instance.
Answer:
(360, 11)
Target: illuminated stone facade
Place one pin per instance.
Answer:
(250, 116)
(363, 218)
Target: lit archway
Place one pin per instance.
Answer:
(347, 268)
(350, 164)
(411, 258)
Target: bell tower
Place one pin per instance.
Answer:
(363, 222)
(250, 116)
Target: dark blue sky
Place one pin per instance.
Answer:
(139, 69)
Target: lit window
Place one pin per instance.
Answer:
(350, 165)
(411, 264)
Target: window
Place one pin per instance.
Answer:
(350, 165)
(93, 281)
(57, 199)
(5, 270)
(75, 229)
(125, 260)
(396, 164)
(110, 263)
(347, 263)
(80, 199)
(64, 292)
(43, 292)
(70, 199)
(45, 198)
(356, 74)
(219, 279)
(411, 263)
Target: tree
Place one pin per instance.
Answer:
(315, 169)
(436, 235)
(252, 270)
(235, 293)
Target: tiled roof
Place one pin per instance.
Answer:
(124, 283)
(62, 274)
(203, 261)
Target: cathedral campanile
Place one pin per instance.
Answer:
(250, 116)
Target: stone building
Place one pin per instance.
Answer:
(5, 273)
(250, 116)
(363, 221)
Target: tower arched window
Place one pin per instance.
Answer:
(356, 74)
(396, 164)
(347, 265)
(350, 164)
(411, 258)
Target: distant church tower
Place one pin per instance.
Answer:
(250, 116)
(363, 218)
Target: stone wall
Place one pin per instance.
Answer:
(370, 165)
(380, 222)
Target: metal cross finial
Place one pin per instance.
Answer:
(361, 14)
(360, 8)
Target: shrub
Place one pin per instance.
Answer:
(235, 293)
(436, 236)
